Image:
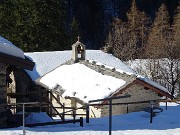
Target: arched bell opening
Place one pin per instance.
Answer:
(78, 51)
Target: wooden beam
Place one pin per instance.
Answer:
(125, 103)
(104, 99)
(16, 61)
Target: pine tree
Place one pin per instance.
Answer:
(176, 31)
(137, 29)
(88, 14)
(52, 25)
(161, 44)
(121, 48)
(34, 25)
(126, 40)
(175, 50)
(74, 32)
(158, 35)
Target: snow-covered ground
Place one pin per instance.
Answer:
(165, 123)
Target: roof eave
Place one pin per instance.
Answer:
(159, 91)
(16, 61)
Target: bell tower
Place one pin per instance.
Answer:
(78, 51)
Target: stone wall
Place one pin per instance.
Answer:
(3, 117)
(21, 84)
(76, 103)
(138, 93)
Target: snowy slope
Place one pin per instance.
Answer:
(47, 61)
(165, 123)
(85, 82)
(8, 48)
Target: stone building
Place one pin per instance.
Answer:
(51, 69)
(10, 56)
(21, 80)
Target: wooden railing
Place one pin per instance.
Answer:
(66, 111)
(80, 120)
(35, 104)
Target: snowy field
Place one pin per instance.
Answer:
(165, 123)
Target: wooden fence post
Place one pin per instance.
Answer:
(24, 132)
(50, 103)
(81, 121)
(110, 107)
(40, 108)
(127, 108)
(110, 116)
(63, 116)
(87, 113)
(166, 103)
(151, 115)
(74, 116)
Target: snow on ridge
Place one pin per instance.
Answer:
(8, 48)
(110, 61)
(82, 82)
(110, 67)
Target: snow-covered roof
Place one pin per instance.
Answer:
(47, 61)
(80, 81)
(52, 73)
(149, 81)
(162, 67)
(8, 48)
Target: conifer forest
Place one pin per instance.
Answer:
(128, 29)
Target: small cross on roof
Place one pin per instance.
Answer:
(78, 38)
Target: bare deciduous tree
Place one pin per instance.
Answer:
(126, 39)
